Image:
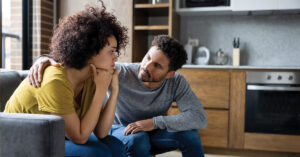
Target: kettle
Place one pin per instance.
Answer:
(202, 56)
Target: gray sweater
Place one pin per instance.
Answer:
(137, 102)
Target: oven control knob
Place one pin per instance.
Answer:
(279, 77)
(291, 77)
(269, 77)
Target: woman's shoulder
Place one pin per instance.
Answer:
(53, 73)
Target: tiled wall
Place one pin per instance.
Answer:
(266, 39)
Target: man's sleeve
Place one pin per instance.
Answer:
(192, 115)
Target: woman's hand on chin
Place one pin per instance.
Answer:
(102, 77)
(114, 85)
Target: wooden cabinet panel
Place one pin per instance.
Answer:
(216, 133)
(210, 86)
(237, 109)
(272, 142)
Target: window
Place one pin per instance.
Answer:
(27, 26)
(11, 34)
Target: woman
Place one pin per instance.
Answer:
(86, 45)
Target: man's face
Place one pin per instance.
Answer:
(155, 66)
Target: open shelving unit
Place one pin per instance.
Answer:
(150, 20)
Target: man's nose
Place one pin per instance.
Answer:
(148, 65)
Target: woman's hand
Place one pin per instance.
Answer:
(102, 77)
(114, 85)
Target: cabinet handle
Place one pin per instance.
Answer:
(272, 88)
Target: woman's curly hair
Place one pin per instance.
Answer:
(172, 49)
(79, 37)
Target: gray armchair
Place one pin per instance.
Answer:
(31, 135)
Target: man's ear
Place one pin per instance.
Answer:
(170, 74)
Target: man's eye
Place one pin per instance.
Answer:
(157, 65)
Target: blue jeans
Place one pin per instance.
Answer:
(142, 144)
(108, 147)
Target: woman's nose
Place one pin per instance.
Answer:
(115, 59)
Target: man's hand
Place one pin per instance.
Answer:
(142, 125)
(35, 74)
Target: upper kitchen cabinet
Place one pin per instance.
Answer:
(150, 19)
(191, 7)
(259, 5)
(288, 4)
(253, 5)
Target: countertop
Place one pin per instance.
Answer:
(242, 67)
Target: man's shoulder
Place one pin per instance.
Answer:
(125, 67)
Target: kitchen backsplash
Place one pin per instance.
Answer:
(265, 40)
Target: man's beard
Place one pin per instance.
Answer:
(147, 77)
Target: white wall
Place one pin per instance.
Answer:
(122, 9)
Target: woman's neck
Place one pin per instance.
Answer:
(77, 77)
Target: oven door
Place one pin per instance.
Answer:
(272, 109)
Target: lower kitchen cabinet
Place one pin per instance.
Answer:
(223, 94)
(212, 88)
(216, 133)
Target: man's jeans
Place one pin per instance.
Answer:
(107, 147)
(142, 144)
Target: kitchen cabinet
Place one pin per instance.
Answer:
(258, 5)
(212, 88)
(223, 94)
(288, 4)
(150, 20)
(239, 7)
(216, 132)
(253, 5)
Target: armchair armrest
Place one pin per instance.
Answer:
(31, 135)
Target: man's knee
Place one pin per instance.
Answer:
(190, 137)
(139, 142)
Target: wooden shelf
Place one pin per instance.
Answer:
(159, 5)
(152, 27)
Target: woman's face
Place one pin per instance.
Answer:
(107, 56)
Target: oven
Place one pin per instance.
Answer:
(272, 102)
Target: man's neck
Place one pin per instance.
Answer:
(151, 85)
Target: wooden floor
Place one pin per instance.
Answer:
(212, 152)
(178, 154)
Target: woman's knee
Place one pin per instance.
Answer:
(90, 149)
(115, 145)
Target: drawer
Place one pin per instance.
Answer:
(216, 133)
(210, 86)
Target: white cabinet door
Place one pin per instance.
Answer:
(252, 5)
(288, 4)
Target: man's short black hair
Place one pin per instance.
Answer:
(172, 49)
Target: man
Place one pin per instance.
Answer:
(146, 91)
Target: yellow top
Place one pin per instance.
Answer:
(55, 95)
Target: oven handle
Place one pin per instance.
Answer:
(272, 88)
